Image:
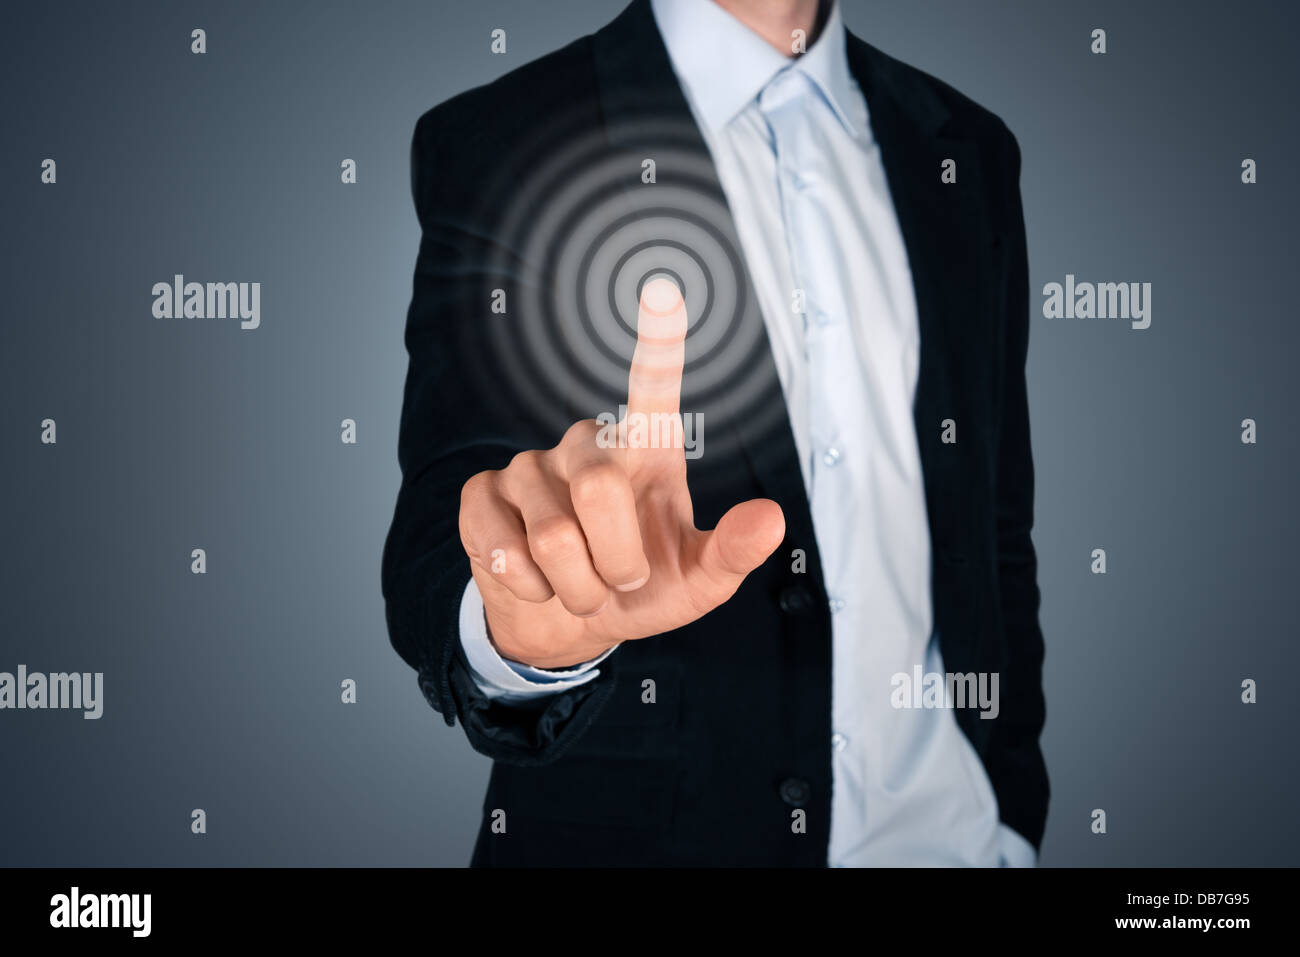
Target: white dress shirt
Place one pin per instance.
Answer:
(802, 173)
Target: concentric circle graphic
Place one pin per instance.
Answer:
(584, 231)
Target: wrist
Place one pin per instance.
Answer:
(542, 655)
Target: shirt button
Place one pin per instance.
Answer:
(832, 457)
(839, 742)
(795, 792)
(837, 604)
(823, 318)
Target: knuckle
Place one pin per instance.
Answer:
(581, 433)
(475, 496)
(559, 537)
(524, 473)
(528, 462)
(596, 485)
(475, 490)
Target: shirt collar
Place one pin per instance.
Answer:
(723, 64)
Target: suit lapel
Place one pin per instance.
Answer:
(907, 120)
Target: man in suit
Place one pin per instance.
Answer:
(846, 308)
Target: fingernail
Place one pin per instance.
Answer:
(633, 586)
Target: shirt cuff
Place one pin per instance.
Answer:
(1014, 850)
(510, 681)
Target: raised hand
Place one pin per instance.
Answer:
(592, 543)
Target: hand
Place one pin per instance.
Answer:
(592, 543)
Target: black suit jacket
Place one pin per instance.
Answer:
(740, 730)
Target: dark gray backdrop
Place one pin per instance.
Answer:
(222, 690)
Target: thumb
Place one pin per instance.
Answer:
(743, 540)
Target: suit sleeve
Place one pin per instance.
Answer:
(1015, 760)
(451, 429)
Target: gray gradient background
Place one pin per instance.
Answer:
(222, 691)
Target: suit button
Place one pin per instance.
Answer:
(795, 600)
(795, 792)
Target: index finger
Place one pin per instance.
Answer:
(655, 381)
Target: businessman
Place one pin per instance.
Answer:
(718, 661)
